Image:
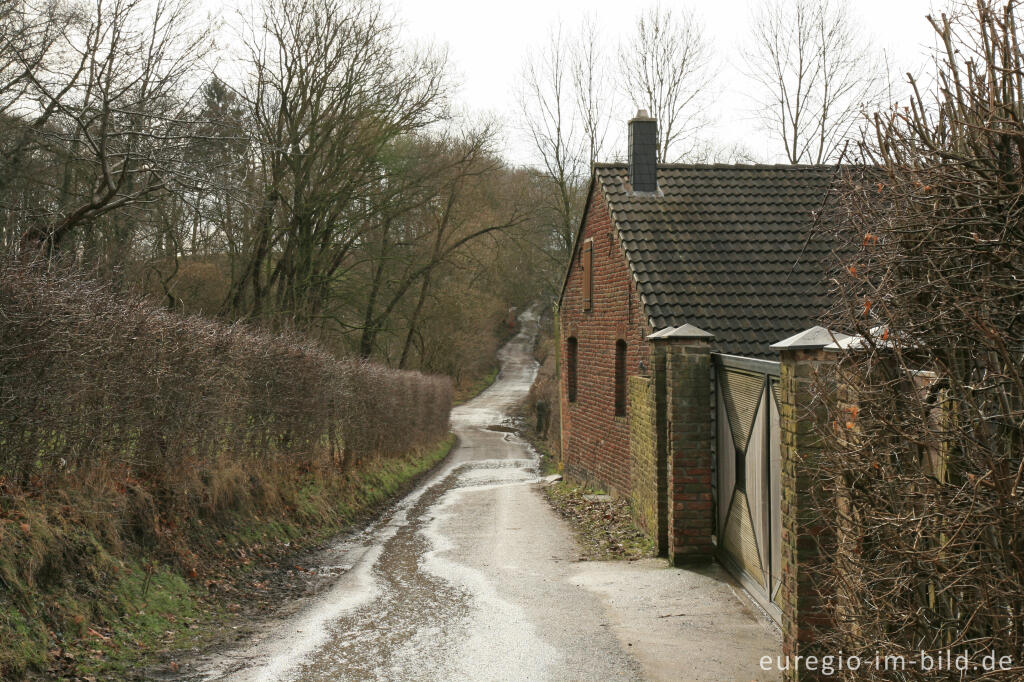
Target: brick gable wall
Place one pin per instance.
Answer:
(595, 443)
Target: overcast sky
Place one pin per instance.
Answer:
(488, 42)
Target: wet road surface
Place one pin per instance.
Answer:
(464, 580)
(473, 577)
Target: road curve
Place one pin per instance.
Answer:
(466, 579)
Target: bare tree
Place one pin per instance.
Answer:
(666, 67)
(116, 96)
(706, 150)
(593, 88)
(29, 36)
(548, 109)
(457, 178)
(330, 89)
(818, 73)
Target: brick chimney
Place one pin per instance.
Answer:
(643, 152)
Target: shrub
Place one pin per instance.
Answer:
(90, 378)
(923, 448)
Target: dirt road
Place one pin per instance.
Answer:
(473, 577)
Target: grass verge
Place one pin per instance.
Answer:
(549, 464)
(464, 395)
(89, 590)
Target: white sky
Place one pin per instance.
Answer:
(488, 42)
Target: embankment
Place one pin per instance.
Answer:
(149, 462)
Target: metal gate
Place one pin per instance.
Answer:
(748, 463)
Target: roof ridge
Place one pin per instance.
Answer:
(786, 166)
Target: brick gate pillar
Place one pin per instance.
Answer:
(683, 355)
(803, 357)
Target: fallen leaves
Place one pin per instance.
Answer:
(604, 528)
(98, 635)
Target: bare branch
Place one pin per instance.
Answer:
(666, 69)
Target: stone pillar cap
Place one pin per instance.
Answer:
(814, 338)
(878, 334)
(684, 331)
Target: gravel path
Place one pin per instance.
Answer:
(473, 576)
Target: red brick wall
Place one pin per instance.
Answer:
(595, 443)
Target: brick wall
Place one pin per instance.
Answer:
(643, 448)
(802, 607)
(691, 516)
(595, 443)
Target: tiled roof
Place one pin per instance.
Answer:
(727, 248)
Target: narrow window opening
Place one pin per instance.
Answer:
(570, 368)
(620, 378)
(588, 274)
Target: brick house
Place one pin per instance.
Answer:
(723, 248)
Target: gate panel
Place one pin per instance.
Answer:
(748, 461)
(725, 464)
(740, 539)
(775, 481)
(756, 484)
(741, 394)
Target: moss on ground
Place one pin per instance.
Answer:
(549, 464)
(78, 599)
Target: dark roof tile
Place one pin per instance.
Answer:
(725, 248)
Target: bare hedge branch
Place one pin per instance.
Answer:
(92, 378)
(924, 449)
